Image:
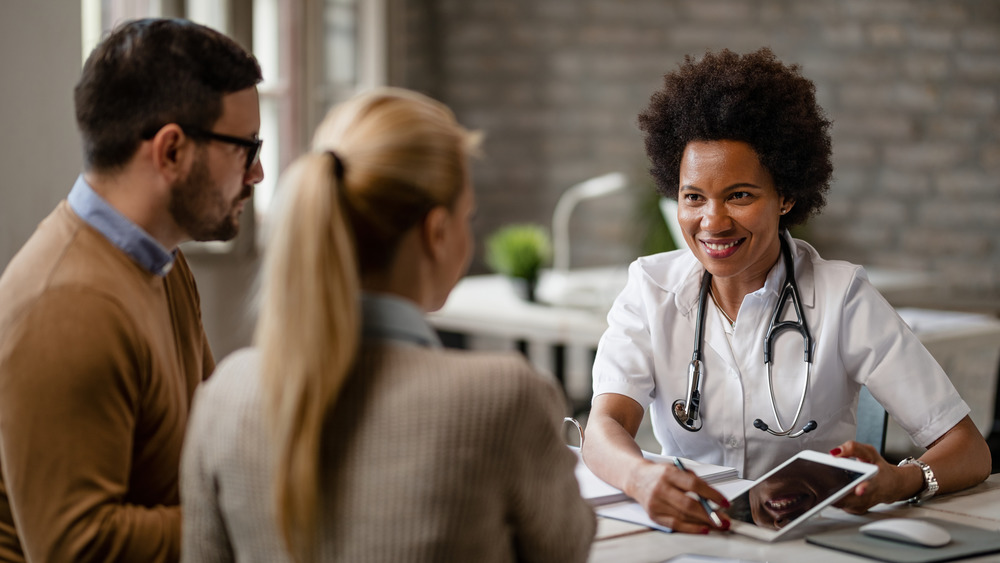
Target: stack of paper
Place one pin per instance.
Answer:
(592, 488)
(599, 493)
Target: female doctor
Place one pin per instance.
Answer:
(742, 145)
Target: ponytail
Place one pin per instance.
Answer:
(308, 333)
(341, 215)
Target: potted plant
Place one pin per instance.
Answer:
(519, 252)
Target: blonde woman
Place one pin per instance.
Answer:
(348, 433)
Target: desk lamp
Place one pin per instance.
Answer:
(555, 286)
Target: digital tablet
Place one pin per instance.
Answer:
(794, 492)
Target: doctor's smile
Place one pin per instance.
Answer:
(720, 249)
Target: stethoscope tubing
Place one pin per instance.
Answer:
(758, 423)
(687, 411)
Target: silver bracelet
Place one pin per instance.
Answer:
(930, 481)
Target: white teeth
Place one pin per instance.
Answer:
(783, 503)
(714, 246)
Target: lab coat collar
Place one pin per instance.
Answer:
(685, 287)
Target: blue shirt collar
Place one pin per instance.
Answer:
(121, 232)
(386, 317)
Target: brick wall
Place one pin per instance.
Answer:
(911, 85)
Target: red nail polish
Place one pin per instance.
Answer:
(704, 531)
(835, 451)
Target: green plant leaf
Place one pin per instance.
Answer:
(519, 250)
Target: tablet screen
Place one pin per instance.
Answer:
(795, 491)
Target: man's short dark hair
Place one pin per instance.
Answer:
(151, 72)
(752, 98)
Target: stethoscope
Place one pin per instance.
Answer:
(687, 411)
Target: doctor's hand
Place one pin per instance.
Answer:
(890, 484)
(669, 496)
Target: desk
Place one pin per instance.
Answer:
(560, 339)
(489, 315)
(619, 541)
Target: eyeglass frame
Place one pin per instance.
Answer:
(252, 145)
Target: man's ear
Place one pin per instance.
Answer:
(172, 152)
(434, 232)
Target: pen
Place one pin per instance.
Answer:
(704, 502)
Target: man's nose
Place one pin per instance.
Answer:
(256, 173)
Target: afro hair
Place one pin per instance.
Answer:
(752, 98)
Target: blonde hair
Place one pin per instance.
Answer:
(380, 162)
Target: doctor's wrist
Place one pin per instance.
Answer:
(638, 480)
(930, 483)
(910, 482)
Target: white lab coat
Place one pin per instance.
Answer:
(858, 340)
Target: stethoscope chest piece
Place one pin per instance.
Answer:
(687, 411)
(684, 418)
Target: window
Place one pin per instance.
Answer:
(340, 70)
(276, 98)
(323, 51)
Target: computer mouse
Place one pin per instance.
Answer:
(908, 530)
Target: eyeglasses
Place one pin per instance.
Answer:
(251, 145)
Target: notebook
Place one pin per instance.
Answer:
(599, 493)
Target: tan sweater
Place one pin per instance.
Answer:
(99, 360)
(431, 455)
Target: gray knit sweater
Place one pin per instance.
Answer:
(431, 455)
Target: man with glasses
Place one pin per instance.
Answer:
(101, 341)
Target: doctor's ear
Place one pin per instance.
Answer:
(786, 205)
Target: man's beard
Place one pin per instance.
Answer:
(199, 210)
